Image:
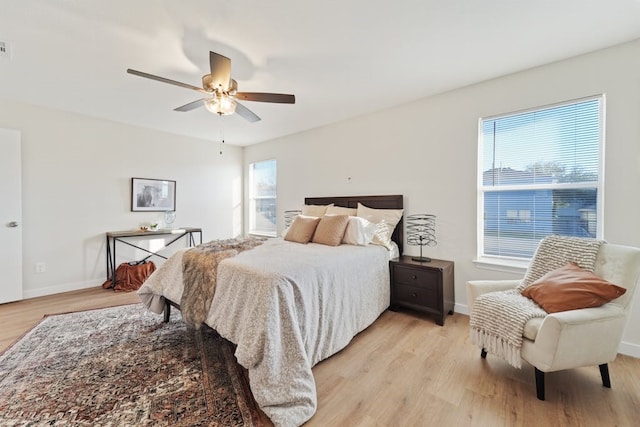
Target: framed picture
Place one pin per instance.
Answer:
(153, 195)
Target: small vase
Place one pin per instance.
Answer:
(169, 218)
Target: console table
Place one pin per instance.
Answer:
(114, 237)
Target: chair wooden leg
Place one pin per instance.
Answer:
(539, 384)
(483, 353)
(604, 373)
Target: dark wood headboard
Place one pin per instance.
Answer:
(376, 202)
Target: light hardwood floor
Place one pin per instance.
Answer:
(405, 370)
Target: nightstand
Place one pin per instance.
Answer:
(422, 286)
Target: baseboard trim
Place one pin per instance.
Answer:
(629, 349)
(461, 308)
(57, 289)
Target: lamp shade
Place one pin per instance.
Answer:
(421, 231)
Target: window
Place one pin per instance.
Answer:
(540, 174)
(262, 198)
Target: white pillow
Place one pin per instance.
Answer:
(359, 231)
(386, 221)
(315, 210)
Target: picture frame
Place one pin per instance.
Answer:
(153, 195)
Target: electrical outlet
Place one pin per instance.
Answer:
(41, 267)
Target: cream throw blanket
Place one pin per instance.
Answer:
(498, 318)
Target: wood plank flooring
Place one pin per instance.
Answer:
(405, 370)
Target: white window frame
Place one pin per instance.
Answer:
(253, 198)
(514, 264)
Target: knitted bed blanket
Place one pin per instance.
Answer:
(200, 275)
(498, 318)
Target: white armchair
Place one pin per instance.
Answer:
(576, 338)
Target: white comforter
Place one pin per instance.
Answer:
(287, 306)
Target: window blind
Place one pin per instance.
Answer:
(541, 174)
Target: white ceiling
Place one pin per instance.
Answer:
(341, 58)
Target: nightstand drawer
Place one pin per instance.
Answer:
(424, 297)
(415, 277)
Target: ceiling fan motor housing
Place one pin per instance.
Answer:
(210, 85)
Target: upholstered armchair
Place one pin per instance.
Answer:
(581, 337)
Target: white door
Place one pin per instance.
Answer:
(10, 216)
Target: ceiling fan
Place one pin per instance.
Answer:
(222, 91)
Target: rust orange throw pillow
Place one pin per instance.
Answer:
(571, 288)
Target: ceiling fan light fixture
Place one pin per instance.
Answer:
(221, 91)
(222, 106)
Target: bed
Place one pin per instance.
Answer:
(286, 311)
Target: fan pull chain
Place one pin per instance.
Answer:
(221, 133)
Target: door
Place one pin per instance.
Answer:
(10, 216)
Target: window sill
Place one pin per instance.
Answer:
(259, 234)
(505, 265)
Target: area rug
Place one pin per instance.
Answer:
(123, 366)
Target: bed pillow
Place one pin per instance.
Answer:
(302, 229)
(571, 288)
(315, 210)
(385, 220)
(339, 210)
(359, 231)
(330, 230)
(286, 229)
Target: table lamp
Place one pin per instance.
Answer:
(421, 231)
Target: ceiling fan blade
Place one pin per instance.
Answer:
(163, 80)
(220, 70)
(246, 113)
(191, 106)
(280, 98)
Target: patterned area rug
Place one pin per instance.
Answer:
(123, 366)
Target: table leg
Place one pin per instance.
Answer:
(108, 258)
(113, 266)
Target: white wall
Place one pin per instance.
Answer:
(76, 184)
(427, 150)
